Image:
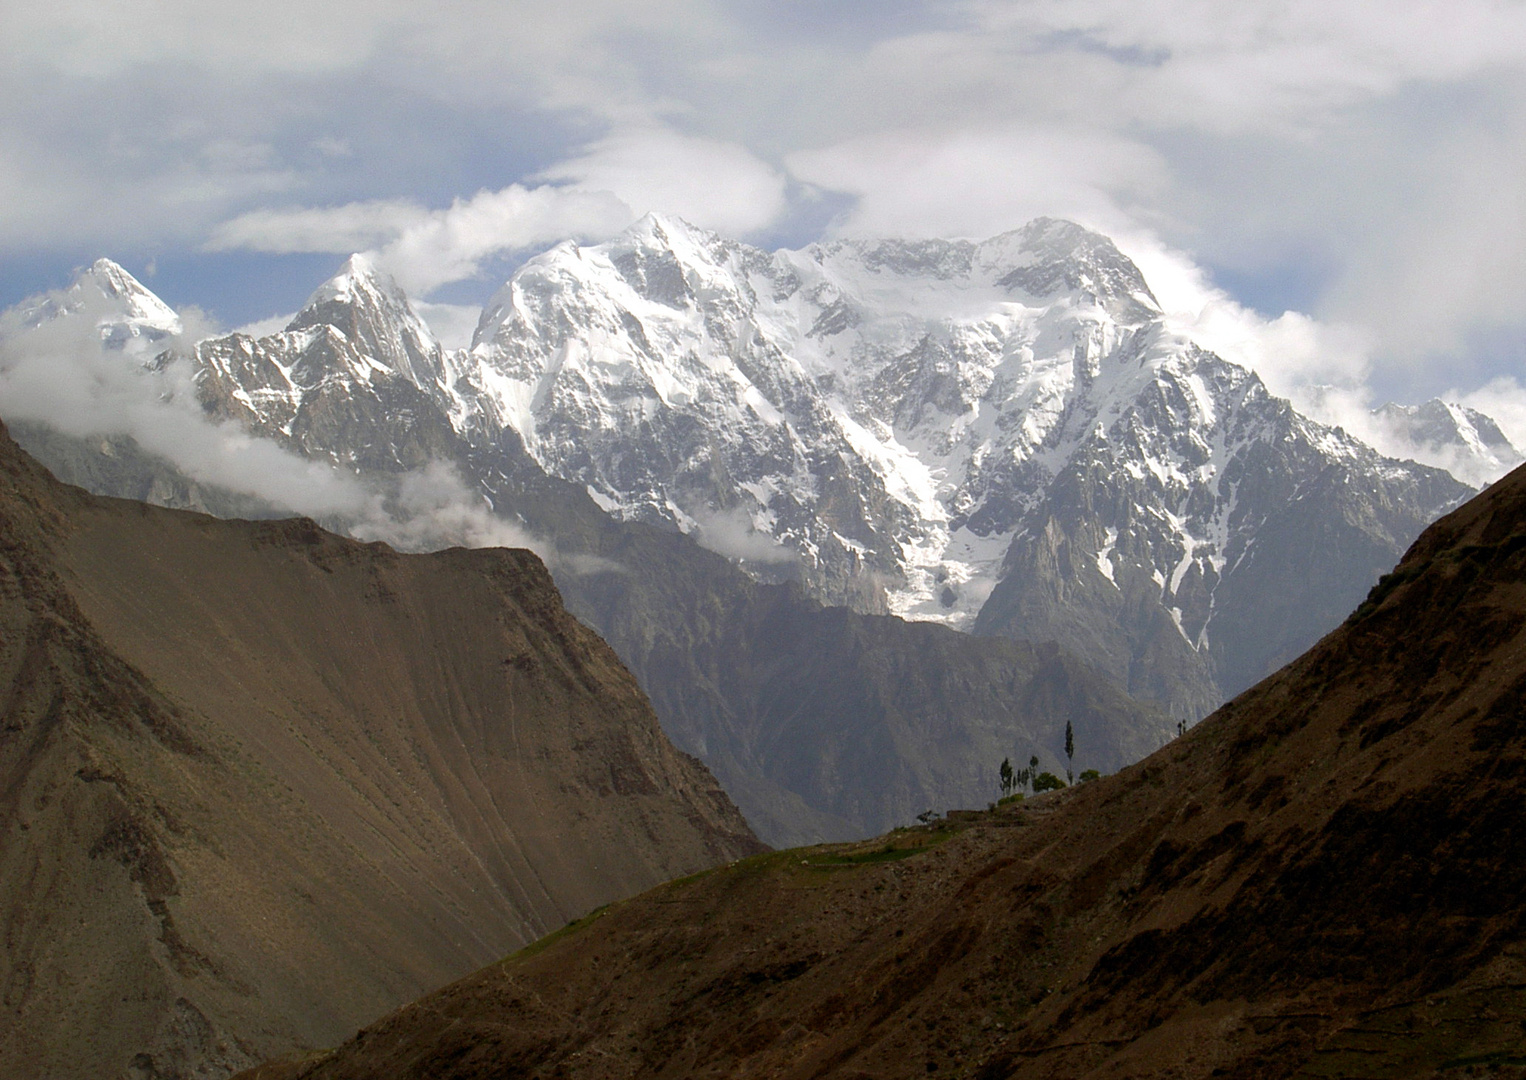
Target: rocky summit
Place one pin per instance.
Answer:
(1324, 878)
(1008, 437)
(259, 782)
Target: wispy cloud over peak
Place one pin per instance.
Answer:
(593, 194)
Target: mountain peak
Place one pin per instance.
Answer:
(115, 283)
(1054, 254)
(664, 228)
(358, 279)
(127, 315)
(1452, 436)
(105, 270)
(365, 304)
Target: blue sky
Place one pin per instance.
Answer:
(1360, 163)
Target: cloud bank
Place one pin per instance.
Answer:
(1360, 161)
(59, 373)
(593, 195)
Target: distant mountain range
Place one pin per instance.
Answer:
(824, 724)
(1006, 438)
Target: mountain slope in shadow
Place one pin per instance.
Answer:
(1325, 878)
(822, 724)
(259, 782)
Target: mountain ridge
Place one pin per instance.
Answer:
(905, 417)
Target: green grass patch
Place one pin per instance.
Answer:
(542, 944)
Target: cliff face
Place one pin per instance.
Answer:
(1325, 878)
(258, 782)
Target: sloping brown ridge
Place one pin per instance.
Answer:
(1325, 878)
(259, 783)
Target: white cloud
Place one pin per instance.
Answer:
(451, 324)
(1382, 138)
(97, 40)
(448, 245)
(423, 248)
(272, 324)
(1274, 65)
(1292, 352)
(982, 182)
(592, 195)
(1504, 400)
(732, 534)
(1457, 264)
(340, 230)
(58, 373)
(715, 185)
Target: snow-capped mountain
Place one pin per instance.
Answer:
(1461, 440)
(355, 377)
(884, 410)
(1202, 533)
(1004, 436)
(128, 316)
(931, 418)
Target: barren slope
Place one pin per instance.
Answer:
(1326, 878)
(258, 783)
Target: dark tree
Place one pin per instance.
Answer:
(1033, 770)
(1070, 753)
(1047, 781)
(1008, 777)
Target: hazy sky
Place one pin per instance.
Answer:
(1358, 162)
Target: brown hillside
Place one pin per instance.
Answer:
(1326, 878)
(259, 783)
